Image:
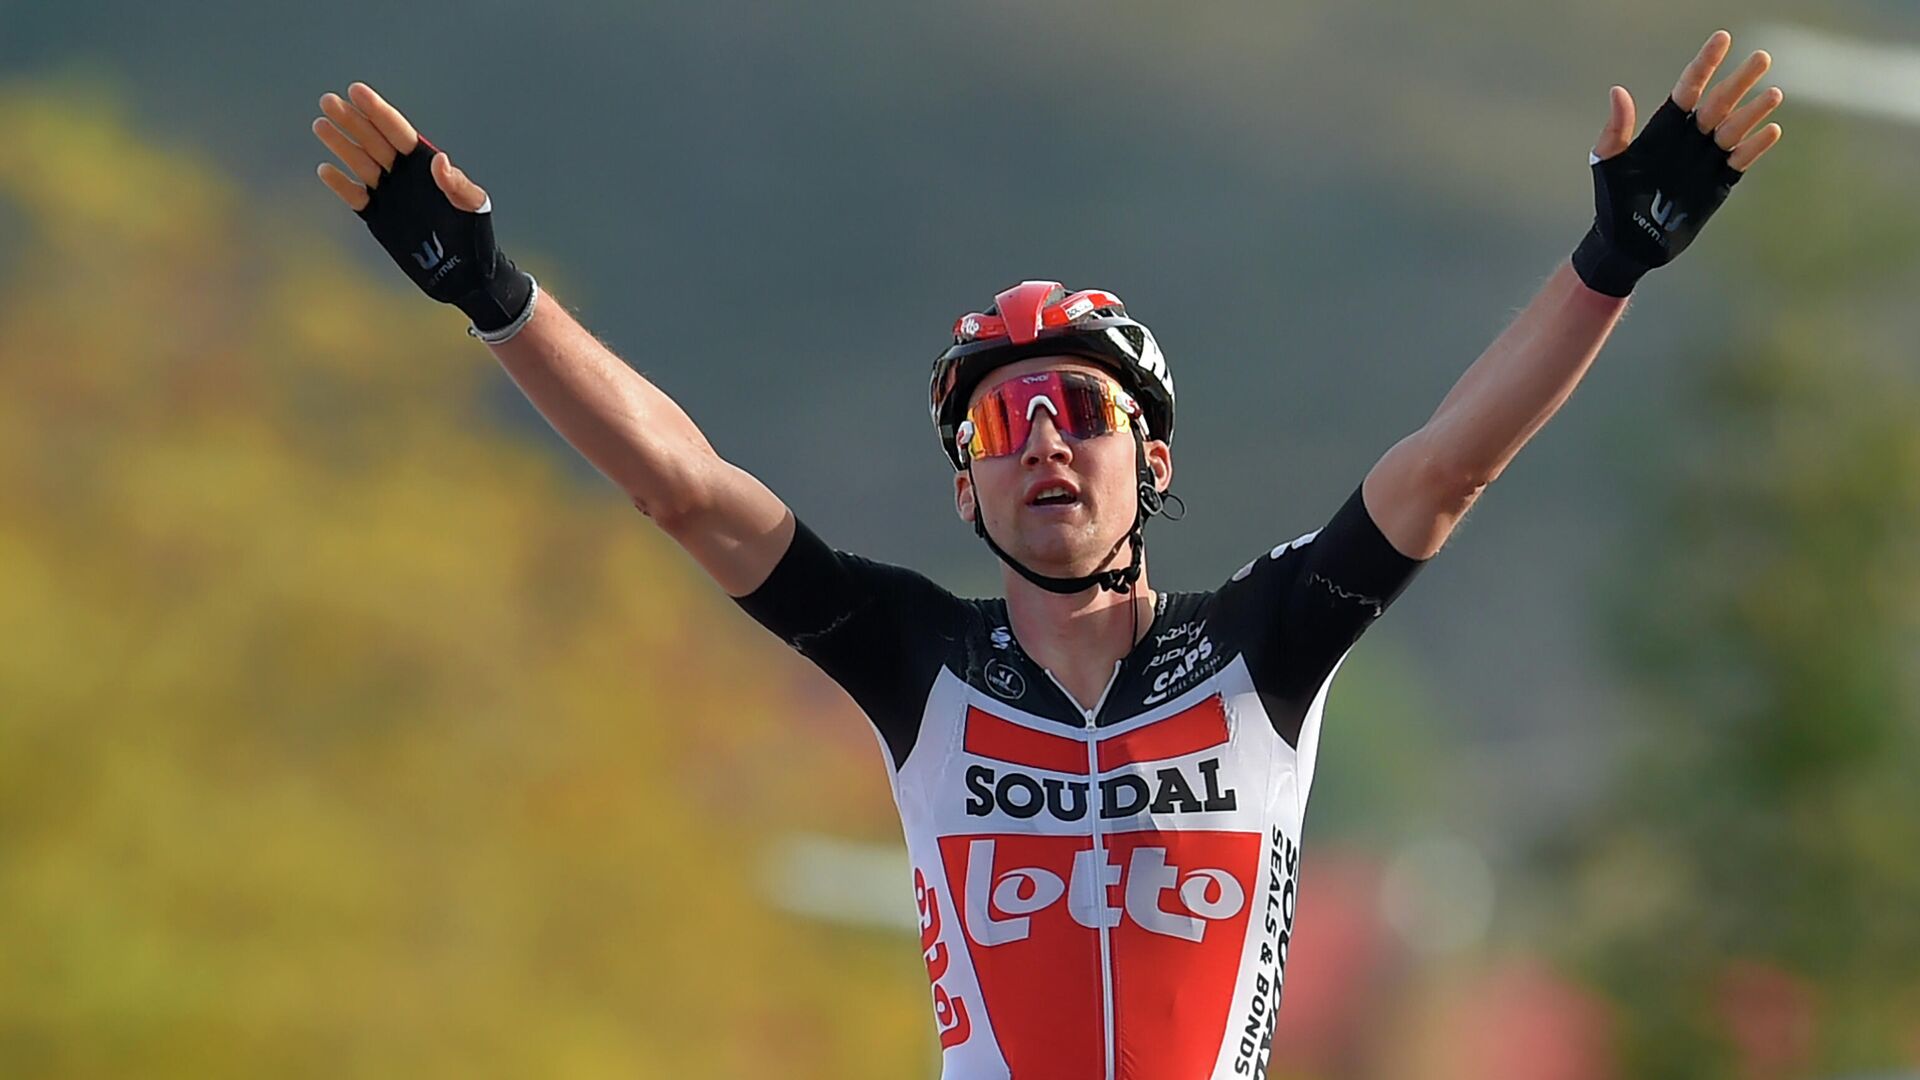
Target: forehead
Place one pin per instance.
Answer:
(1033, 364)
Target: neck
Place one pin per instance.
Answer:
(1079, 637)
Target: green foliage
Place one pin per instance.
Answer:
(1384, 766)
(342, 736)
(1771, 623)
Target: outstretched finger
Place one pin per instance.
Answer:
(1720, 100)
(1753, 146)
(385, 117)
(1618, 130)
(350, 193)
(1699, 71)
(1744, 119)
(350, 155)
(357, 127)
(459, 190)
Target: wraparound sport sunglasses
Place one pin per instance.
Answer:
(1082, 405)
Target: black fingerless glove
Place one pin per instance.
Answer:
(447, 251)
(1651, 199)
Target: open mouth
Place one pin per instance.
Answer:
(1053, 495)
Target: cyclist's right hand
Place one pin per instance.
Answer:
(435, 222)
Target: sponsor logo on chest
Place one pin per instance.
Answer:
(1181, 666)
(1159, 768)
(999, 904)
(1172, 790)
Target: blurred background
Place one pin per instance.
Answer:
(350, 726)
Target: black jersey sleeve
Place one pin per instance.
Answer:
(1297, 609)
(882, 632)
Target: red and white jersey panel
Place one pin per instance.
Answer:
(1112, 902)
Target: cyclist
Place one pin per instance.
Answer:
(1102, 785)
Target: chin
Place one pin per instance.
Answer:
(1068, 549)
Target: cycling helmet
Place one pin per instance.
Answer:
(1040, 318)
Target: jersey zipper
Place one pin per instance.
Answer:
(1099, 855)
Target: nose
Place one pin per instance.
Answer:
(1044, 442)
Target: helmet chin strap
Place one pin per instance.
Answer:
(1151, 501)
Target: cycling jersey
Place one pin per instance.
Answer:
(1106, 892)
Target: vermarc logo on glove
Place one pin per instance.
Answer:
(408, 213)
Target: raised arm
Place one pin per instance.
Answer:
(1652, 196)
(441, 236)
(731, 524)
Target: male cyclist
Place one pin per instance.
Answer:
(1102, 785)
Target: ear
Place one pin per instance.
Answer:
(963, 503)
(1160, 461)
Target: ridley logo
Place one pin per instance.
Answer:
(1204, 895)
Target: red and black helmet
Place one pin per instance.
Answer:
(1040, 318)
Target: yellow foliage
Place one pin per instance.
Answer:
(340, 734)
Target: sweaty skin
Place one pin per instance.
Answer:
(737, 530)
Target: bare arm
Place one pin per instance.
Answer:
(730, 523)
(1420, 489)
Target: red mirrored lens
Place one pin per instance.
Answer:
(1081, 405)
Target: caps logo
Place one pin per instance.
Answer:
(1189, 665)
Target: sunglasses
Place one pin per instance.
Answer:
(1082, 405)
